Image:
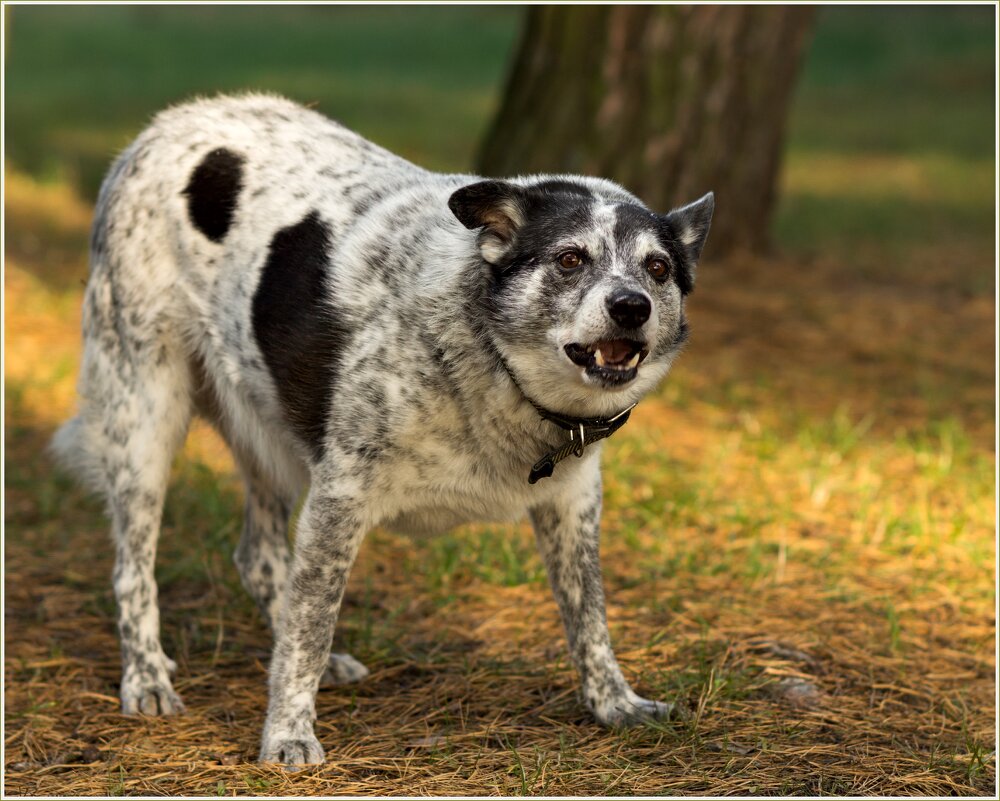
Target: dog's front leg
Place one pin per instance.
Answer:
(329, 533)
(568, 533)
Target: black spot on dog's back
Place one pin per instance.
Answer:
(297, 328)
(213, 191)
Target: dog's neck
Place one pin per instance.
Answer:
(583, 431)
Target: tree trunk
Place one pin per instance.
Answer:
(670, 101)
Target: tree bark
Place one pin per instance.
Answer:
(670, 101)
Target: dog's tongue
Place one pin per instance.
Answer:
(614, 350)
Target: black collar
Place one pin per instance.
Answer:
(583, 431)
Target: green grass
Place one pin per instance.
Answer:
(890, 137)
(891, 143)
(82, 80)
(494, 555)
(898, 79)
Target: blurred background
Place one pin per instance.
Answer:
(817, 475)
(888, 144)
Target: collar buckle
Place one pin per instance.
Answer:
(597, 428)
(580, 443)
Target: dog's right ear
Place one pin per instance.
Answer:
(495, 206)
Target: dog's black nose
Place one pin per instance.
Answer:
(629, 309)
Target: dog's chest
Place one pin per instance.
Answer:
(442, 479)
(433, 504)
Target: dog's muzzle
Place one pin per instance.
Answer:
(613, 361)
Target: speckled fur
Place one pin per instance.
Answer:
(405, 415)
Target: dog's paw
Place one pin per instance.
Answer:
(642, 710)
(150, 698)
(343, 669)
(146, 688)
(292, 752)
(632, 710)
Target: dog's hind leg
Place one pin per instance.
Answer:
(262, 556)
(263, 560)
(135, 392)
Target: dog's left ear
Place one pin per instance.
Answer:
(690, 224)
(495, 206)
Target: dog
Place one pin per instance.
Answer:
(405, 348)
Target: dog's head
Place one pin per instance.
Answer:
(586, 285)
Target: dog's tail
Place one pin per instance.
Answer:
(70, 447)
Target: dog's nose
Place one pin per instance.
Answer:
(628, 308)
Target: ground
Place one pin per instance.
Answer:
(799, 527)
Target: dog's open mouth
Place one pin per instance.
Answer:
(614, 361)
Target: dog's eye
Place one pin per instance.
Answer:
(570, 260)
(658, 268)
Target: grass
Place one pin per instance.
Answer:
(799, 526)
(71, 105)
(890, 166)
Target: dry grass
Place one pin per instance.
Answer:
(799, 545)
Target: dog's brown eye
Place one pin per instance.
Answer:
(657, 268)
(570, 260)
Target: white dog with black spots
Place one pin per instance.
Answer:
(408, 349)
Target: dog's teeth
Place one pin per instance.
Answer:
(598, 358)
(634, 361)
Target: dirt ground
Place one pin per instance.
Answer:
(798, 545)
